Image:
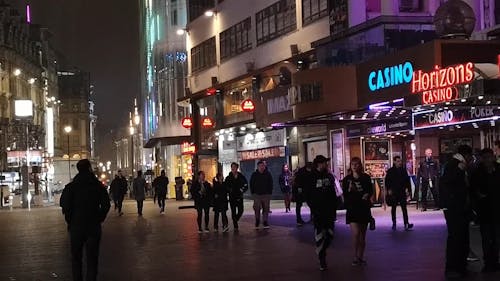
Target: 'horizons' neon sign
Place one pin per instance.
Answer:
(390, 76)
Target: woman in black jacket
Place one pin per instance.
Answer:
(358, 190)
(201, 192)
(285, 182)
(220, 202)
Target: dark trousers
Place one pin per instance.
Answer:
(490, 233)
(288, 198)
(224, 219)
(457, 244)
(161, 203)
(298, 208)
(119, 204)
(323, 230)
(89, 239)
(402, 203)
(200, 210)
(236, 210)
(140, 204)
(425, 186)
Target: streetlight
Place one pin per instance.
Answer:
(68, 129)
(17, 72)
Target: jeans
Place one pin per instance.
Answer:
(425, 186)
(236, 210)
(140, 204)
(200, 210)
(261, 203)
(288, 198)
(90, 239)
(402, 203)
(216, 219)
(161, 203)
(457, 244)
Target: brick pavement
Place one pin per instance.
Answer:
(34, 246)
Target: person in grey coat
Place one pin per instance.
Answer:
(139, 187)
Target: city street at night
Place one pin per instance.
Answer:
(35, 246)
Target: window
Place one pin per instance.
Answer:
(199, 7)
(174, 17)
(313, 10)
(236, 39)
(275, 20)
(203, 55)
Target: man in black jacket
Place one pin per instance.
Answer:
(85, 204)
(427, 175)
(160, 185)
(455, 201)
(302, 183)
(397, 184)
(261, 187)
(118, 190)
(236, 184)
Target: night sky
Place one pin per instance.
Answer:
(101, 37)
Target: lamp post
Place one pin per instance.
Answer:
(24, 112)
(68, 129)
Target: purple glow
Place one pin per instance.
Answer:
(398, 100)
(28, 14)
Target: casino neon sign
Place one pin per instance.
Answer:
(439, 84)
(390, 76)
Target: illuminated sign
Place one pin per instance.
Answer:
(390, 76)
(378, 128)
(278, 105)
(248, 105)
(456, 116)
(188, 148)
(187, 122)
(211, 91)
(263, 153)
(207, 122)
(438, 85)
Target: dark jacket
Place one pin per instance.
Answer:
(285, 181)
(427, 169)
(302, 184)
(322, 198)
(485, 188)
(139, 186)
(354, 198)
(397, 181)
(160, 185)
(202, 194)
(453, 188)
(84, 202)
(261, 183)
(220, 192)
(118, 188)
(236, 186)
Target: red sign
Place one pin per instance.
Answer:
(188, 148)
(207, 122)
(248, 105)
(187, 122)
(263, 153)
(211, 91)
(438, 85)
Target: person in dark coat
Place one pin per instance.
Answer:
(220, 202)
(323, 200)
(237, 185)
(201, 192)
(261, 187)
(285, 182)
(302, 183)
(485, 181)
(398, 186)
(160, 185)
(358, 189)
(85, 204)
(427, 175)
(139, 186)
(118, 189)
(455, 202)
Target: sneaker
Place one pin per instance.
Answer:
(362, 262)
(207, 230)
(372, 224)
(257, 224)
(200, 230)
(322, 265)
(266, 225)
(120, 214)
(393, 226)
(225, 228)
(216, 230)
(472, 259)
(355, 262)
(408, 226)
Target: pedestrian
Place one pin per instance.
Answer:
(201, 192)
(220, 203)
(85, 204)
(455, 201)
(358, 190)
(118, 189)
(398, 186)
(497, 150)
(322, 199)
(261, 187)
(160, 185)
(139, 186)
(302, 183)
(484, 183)
(427, 175)
(285, 182)
(237, 185)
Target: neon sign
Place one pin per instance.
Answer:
(207, 122)
(187, 122)
(438, 85)
(248, 105)
(188, 148)
(390, 76)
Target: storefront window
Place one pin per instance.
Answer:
(233, 97)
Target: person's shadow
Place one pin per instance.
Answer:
(141, 231)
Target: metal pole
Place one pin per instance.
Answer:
(132, 165)
(69, 161)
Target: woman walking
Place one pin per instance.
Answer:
(285, 182)
(358, 190)
(220, 203)
(201, 192)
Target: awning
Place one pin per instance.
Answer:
(164, 141)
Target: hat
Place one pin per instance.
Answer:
(321, 159)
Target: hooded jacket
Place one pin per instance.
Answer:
(397, 181)
(321, 197)
(236, 186)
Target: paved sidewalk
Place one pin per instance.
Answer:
(34, 246)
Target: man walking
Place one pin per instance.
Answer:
(427, 174)
(456, 206)
(139, 186)
(261, 187)
(85, 204)
(302, 183)
(160, 185)
(398, 186)
(118, 190)
(322, 199)
(236, 184)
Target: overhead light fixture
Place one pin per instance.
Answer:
(488, 102)
(31, 80)
(209, 13)
(480, 97)
(17, 72)
(243, 128)
(463, 100)
(181, 31)
(253, 126)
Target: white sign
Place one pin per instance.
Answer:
(261, 140)
(278, 105)
(23, 108)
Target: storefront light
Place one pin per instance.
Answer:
(488, 102)
(243, 128)
(463, 100)
(480, 97)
